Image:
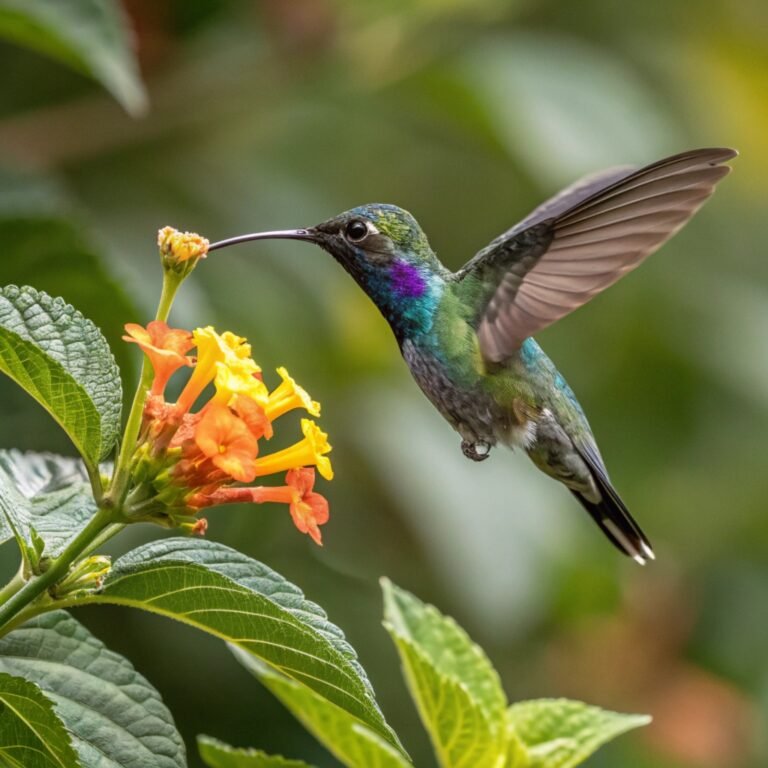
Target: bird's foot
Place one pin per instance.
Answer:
(477, 451)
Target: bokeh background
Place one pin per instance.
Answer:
(281, 113)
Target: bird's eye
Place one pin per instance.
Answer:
(356, 231)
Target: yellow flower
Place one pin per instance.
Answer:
(237, 345)
(309, 452)
(287, 396)
(212, 348)
(238, 379)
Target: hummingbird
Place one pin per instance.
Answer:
(467, 336)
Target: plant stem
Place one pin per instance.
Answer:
(119, 485)
(94, 476)
(120, 478)
(13, 586)
(111, 530)
(38, 584)
(171, 283)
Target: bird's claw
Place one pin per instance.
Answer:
(477, 451)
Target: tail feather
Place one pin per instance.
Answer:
(619, 528)
(613, 517)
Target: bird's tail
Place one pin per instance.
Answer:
(616, 523)
(609, 512)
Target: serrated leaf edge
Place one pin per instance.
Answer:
(51, 704)
(390, 590)
(497, 728)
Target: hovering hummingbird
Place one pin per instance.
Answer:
(467, 336)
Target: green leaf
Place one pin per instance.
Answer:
(115, 717)
(515, 754)
(90, 36)
(231, 596)
(43, 495)
(33, 474)
(344, 735)
(455, 688)
(58, 517)
(559, 733)
(53, 254)
(62, 360)
(217, 754)
(16, 514)
(447, 645)
(461, 732)
(31, 735)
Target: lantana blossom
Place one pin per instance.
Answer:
(308, 509)
(237, 378)
(225, 439)
(287, 396)
(188, 459)
(307, 452)
(165, 347)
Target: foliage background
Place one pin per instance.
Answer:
(467, 112)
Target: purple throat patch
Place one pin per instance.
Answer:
(407, 281)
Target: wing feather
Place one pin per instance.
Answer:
(589, 236)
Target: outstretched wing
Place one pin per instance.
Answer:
(583, 240)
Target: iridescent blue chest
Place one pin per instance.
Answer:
(407, 295)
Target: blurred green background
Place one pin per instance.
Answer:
(468, 113)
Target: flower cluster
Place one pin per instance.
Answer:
(180, 251)
(188, 459)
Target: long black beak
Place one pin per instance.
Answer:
(280, 234)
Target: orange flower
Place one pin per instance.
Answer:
(226, 440)
(253, 415)
(165, 347)
(199, 528)
(308, 509)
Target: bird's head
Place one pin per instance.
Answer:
(383, 248)
(379, 233)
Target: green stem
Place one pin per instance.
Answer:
(111, 530)
(121, 475)
(38, 584)
(13, 586)
(119, 486)
(27, 613)
(94, 476)
(171, 283)
(134, 510)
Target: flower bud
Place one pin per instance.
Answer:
(84, 577)
(180, 251)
